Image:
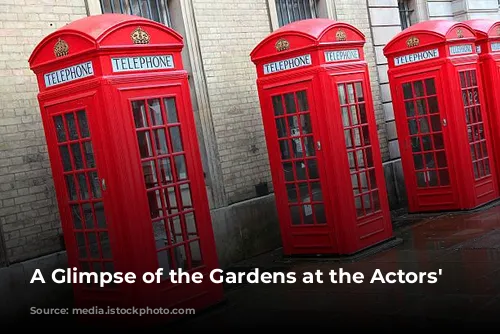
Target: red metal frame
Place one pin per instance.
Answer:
(141, 203)
(444, 153)
(488, 39)
(322, 140)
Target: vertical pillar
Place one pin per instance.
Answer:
(93, 7)
(421, 12)
(355, 12)
(385, 24)
(205, 115)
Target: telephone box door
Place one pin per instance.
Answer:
(74, 145)
(365, 183)
(297, 168)
(478, 136)
(177, 223)
(426, 145)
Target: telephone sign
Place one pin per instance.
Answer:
(68, 74)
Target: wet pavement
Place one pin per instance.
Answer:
(465, 246)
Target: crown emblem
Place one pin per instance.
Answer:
(340, 35)
(139, 36)
(498, 30)
(460, 34)
(61, 48)
(412, 42)
(282, 45)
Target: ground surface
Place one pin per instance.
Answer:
(466, 246)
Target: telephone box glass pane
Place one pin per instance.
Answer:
(298, 158)
(85, 201)
(359, 149)
(475, 126)
(426, 136)
(167, 184)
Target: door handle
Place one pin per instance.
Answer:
(444, 122)
(103, 184)
(318, 145)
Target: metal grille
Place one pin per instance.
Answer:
(405, 14)
(475, 127)
(156, 10)
(294, 10)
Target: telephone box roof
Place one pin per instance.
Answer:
(484, 28)
(438, 30)
(92, 32)
(313, 30)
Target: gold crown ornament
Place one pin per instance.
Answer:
(460, 33)
(282, 45)
(412, 42)
(139, 36)
(61, 48)
(341, 35)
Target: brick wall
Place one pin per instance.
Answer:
(28, 211)
(355, 12)
(228, 30)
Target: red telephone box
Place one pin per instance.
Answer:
(122, 144)
(440, 117)
(321, 136)
(488, 48)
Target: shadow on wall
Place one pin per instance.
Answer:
(18, 294)
(395, 183)
(3, 250)
(246, 229)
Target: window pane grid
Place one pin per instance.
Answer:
(298, 158)
(475, 126)
(84, 193)
(425, 133)
(168, 187)
(359, 148)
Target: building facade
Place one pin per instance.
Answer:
(219, 36)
